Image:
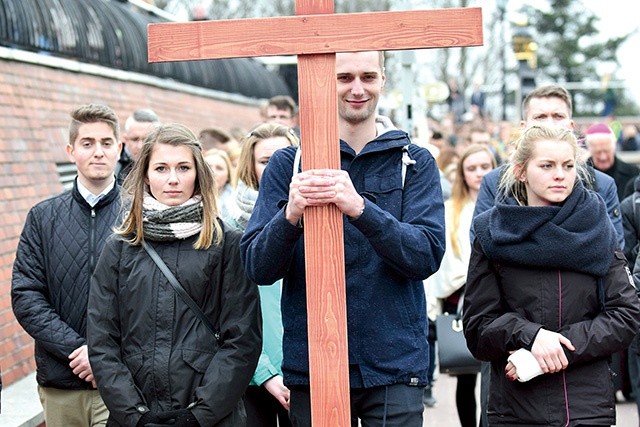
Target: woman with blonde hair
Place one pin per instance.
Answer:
(445, 287)
(220, 163)
(173, 322)
(257, 148)
(267, 398)
(548, 296)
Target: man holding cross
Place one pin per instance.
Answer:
(389, 192)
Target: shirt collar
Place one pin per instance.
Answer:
(91, 198)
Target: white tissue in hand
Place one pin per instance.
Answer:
(527, 366)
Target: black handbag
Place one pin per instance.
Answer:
(454, 358)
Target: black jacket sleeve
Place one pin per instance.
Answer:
(29, 294)
(233, 365)
(612, 329)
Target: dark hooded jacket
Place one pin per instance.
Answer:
(552, 267)
(396, 243)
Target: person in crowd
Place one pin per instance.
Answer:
(158, 359)
(550, 105)
(446, 286)
(61, 240)
(281, 109)
(436, 144)
(630, 208)
(455, 101)
(216, 137)
(480, 135)
(267, 398)
(634, 349)
(220, 163)
(602, 143)
(447, 162)
(545, 280)
(394, 239)
(629, 139)
(477, 99)
(136, 128)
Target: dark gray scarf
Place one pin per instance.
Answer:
(576, 236)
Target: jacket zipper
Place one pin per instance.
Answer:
(564, 372)
(92, 241)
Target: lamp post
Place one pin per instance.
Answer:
(502, 9)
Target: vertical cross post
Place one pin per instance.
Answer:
(324, 238)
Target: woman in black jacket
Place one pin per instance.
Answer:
(155, 361)
(545, 278)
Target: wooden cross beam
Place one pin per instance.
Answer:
(315, 34)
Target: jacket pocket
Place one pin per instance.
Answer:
(198, 360)
(134, 362)
(386, 190)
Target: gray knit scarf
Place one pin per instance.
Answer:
(246, 200)
(166, 223)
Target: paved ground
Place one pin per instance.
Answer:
(444, 413)
(21, 407)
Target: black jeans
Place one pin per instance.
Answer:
(396, 405)
(263, 410)
(466, 399)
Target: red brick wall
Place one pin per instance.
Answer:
(35, 102)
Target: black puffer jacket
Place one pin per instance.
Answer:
(550, 267)
(148, 349)
(59, 247)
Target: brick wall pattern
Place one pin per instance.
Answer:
(35, 102)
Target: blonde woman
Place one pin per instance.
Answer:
(445, 287)
(220, 163)
(548, 292)
(267, 398)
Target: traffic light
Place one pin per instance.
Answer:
(525, 48)
(526, 52)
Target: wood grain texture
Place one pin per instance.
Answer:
(324, 238)
(312, 34)
(324, 248)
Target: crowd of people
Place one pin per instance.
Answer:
(168, 286)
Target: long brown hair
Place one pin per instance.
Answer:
(460, 193)
(135, 186)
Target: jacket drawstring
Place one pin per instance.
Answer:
(384, 413)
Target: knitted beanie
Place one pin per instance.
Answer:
(599, 128)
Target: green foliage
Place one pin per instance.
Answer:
(569, 52)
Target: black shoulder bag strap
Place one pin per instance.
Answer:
(182, 293)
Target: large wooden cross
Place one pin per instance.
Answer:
(315, 34)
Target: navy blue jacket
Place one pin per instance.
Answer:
(396, 243)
